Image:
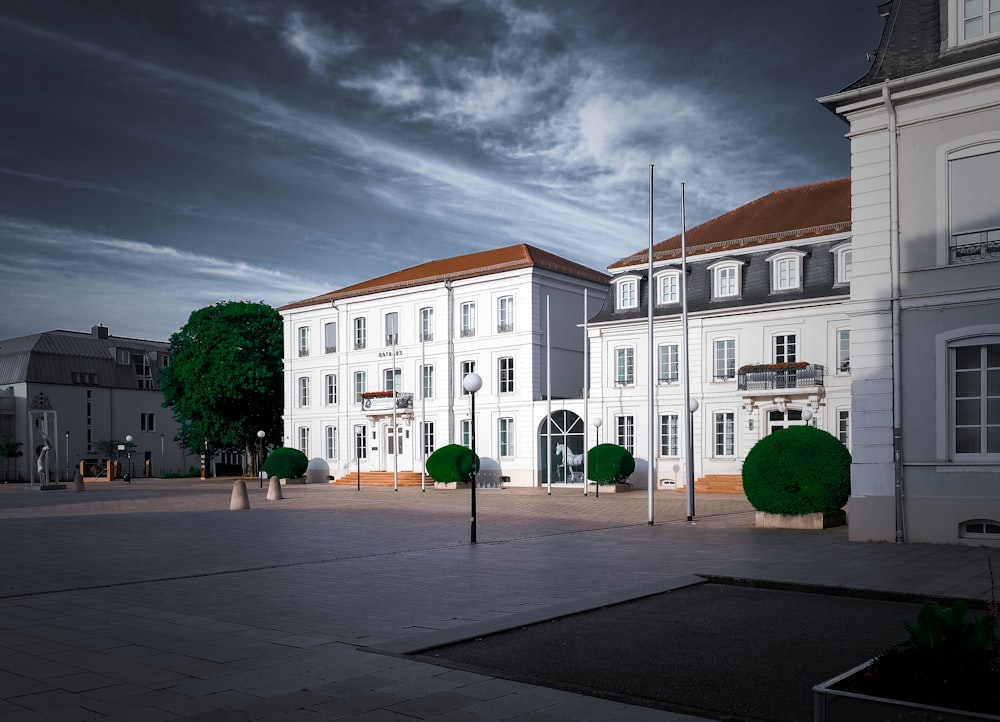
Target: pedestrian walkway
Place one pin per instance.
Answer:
(155, 602)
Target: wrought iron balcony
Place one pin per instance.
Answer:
(766, 377)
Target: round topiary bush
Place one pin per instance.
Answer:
(286, 463)
(452, 463)
(609, 464)
(798, 470)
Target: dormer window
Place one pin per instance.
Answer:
(668, 285)
(627, 293)
(843, 263)
(786, 271)
(726, 279)
(973, 20)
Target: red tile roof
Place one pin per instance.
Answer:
(804, 212)
(468, 266)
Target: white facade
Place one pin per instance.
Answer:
(925, 298)
(423, 335)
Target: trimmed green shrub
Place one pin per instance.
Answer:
(286, 463)
(609, 464)
(453, 462)
(798, 470)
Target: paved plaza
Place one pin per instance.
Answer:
(156, 602)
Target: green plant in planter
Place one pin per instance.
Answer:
(452, 463)
(609, 464)
(798, 470)
(286, 463)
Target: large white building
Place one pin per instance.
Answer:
(925, 294)
(374, 371)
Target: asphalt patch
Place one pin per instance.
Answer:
(713, 650)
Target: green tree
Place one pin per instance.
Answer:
(609, 464)
(10, 450)
(224, 381)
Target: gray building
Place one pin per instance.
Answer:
(71, 390)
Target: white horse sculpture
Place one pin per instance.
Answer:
(569, 459)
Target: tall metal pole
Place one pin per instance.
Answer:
(548, 394)
(586, 393)
(395, 436)
(423, 410)
(651, 398)
(688, 411)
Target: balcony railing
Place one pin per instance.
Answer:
(976, 246)
(505, 327)
(766, 377)
(468, 331)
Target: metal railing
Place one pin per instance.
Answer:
(765, 379)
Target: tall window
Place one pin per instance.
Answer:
(427, 382)
(360, 333)
(976, 409)
(147, 422)
(844, 350)
(466, 432)
(392, 328)
(786, 271)
(725, 280)
(725, 359)
(669, 364)
(843, 259)
(625, 432)
(628, 293)
(427, 324)
(303, 340)
(394, 440)
(724, 434)
(392, 380)
(330, 337)
(505, 437)
(505, 314)
(466, 368)
(625, 365)
(844, 427)
(360, 443)
(304, 440)
(428, 438)
(670, 288)
(979, 18)
(331, 442)
(974, 214)
(784, 348)
(331, 389)
(468, 319)
(143, 371)
(304, 391)
(505, 373)
(360, 385)
(668, 434)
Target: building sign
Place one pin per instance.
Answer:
(41, 401)
(388, 354)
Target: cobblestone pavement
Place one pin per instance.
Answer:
(155, 602)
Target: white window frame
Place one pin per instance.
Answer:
(330, 337)
(330, 436)
(427, 324)
(330, 384)
(304, 440)
(972, 146)
(983, 398)
(958, 28)
(668, 288)
(392, 379)
(465, 433)
(505, 437)
(464, 369)
(627, 293)
(727, 282)
(303, 389)
(625, 432)
(360, 333)
(505, 375)
(427, 381)
(392, 328)
(784, 347)
(623, 373)
(360, 385)
(723, 434)
(467, 319)
(303, 337)
(725, 362)
(669, 435)
(844, 427)
(360, 443)
(842, 348)
(427, 437)
(843, 263)
(505, 314)
(786, 271)
(668, 363)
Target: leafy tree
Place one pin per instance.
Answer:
(224, 381)
(10, 450)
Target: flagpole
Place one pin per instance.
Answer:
(548, 393)
(586, 394)
(650, 298)
(423, 409)
(395, 436)
(690, 406)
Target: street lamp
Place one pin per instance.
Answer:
(472, 383)
(260, 456)
(692, 408)
(128, 450)
(597, 429)
(807, 416)
(359, 441)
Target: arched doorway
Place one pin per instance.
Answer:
(564, 455)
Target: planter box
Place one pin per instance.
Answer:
(451, 485)
(834, 705)
(610, 488)
(800, 521)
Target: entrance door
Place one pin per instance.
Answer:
(394, 442)
(564, 451)
(782, 420)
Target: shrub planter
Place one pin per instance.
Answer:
(451, 485)
(835, 705)
(295, 480)
(618, 488)
(817, 520)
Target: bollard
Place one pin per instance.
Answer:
(274, 489)
(78, 482)
(240, 499)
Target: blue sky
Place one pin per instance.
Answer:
(157, 157)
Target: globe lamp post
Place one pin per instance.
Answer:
(472, 383)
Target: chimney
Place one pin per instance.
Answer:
(99, 331)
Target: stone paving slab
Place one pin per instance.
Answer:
(154, 601)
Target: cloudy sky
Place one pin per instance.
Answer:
(157, 157)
